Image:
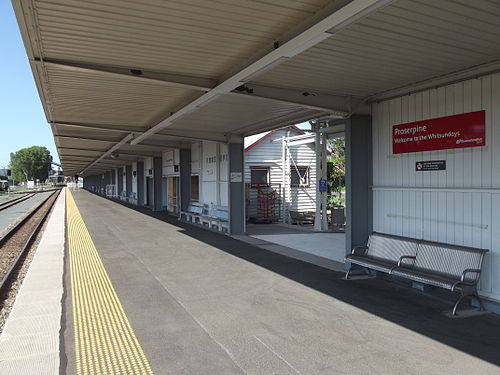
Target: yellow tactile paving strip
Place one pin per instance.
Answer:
(104, 340)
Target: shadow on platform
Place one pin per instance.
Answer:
(477, 335)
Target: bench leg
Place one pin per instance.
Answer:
(352, 267)
(348, 272)
(467, 292)
(455, 307)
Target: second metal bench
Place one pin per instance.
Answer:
(451, 267)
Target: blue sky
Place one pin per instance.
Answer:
(22, 120)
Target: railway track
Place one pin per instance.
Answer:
(18, 240)
(15, 201)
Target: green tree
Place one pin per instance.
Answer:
(30, 163)
(336, 166)
(336, 163)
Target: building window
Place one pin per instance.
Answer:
(259, 176)
(299, 176)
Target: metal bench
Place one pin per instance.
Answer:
(451, 267)
(301, 217)
(382, 253)
(194, 212)
(219, 218)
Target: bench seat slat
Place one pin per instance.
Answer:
(451, 267)
(376, 264)
(441, 281)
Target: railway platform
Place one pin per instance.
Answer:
(138, 293)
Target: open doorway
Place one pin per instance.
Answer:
(173, 194)
(195, 188)
(149, 192)
(295, 188)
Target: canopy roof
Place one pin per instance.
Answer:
(144, 76)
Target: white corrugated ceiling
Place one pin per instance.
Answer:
(107, 68)
(407, 41)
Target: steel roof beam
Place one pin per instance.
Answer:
(97, 127)
(199, 135)
(261, 126)
(79, 138)
(340, 105)
(196, 135)
(132, 73)
(324, 102)
(317, 33)
(80, 149)
(153, 147)
(447, 79)
(111, 150)
(107, 159)
(122, 152)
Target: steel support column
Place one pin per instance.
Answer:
(119, 180)
(140, 183)
(157, 183)
(359, 206)
(185, 178)
(128, 180)
(236, 189)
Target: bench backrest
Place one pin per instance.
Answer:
(448, 259)
(195, 209)
(388, 247)
(220, 212)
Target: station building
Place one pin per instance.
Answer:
(156, 98)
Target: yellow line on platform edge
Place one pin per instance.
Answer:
(104, 340)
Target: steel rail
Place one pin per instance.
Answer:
(15, 201)
(28, 241)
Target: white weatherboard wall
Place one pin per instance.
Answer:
(268, 153)
(214, 173)
(170, 159)
(196, 158)
(460, 205)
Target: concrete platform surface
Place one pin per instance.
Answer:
(204, 303)
(30, 341)
(327, 245)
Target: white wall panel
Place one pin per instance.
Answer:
(268, 153)
(170, 159)
(195, 157)
(459, 205)
(214, 172)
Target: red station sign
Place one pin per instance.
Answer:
(458, 131)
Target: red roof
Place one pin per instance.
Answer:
(264, 137)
